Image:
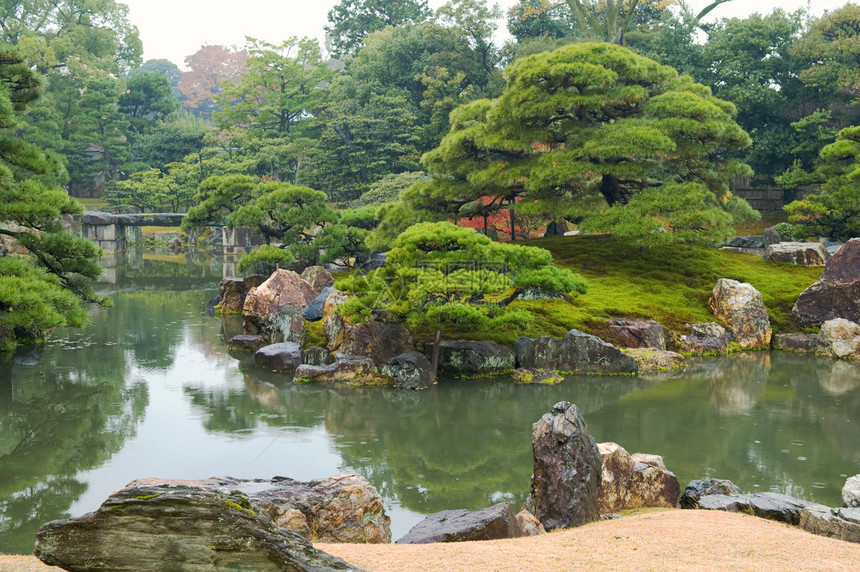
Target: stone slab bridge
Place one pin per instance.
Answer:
(115, 232)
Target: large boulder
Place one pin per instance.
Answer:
(474, 358)
(697, 489)
(576, 352)
(835, 295)
(838, 338)
(839, 523)
(410, 370)
(344, 508)
(652, 484)
(178, 528)
(567, 470)
(274, 308)
(636, 334)
(708, 337)
(285, 356)
(354, 370)
(318, 278)
(740, 306)
(493, 523)
(771, 506)
(635, 481)
(232, 292)
(799, 253)
(376, 339)
(246, 343)
(851, 492)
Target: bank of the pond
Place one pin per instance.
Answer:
(665, 540)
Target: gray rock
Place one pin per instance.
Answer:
(355, 370)
(701, 488)
(839, 523)
(344, 508)
(741, 307)
(636, 334)
(851, 492)
(180, 528)
(285, 356)
(834, 295)
(493, 523)
(798, 253)
(315, 310)
(474, 358)
(746, 242)
(316, 355)
(410, 370)
(576, 352)
(771, 236)
(247, 343)
(838, 338)
(534, 294)
(567, 470)
(795, 342)
(770, 506)
(708, 337)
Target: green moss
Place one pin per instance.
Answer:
(314, 334)
(147, 497)
(237, 507)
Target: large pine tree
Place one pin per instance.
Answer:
(44, 270)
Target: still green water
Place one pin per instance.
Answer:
(149, 391)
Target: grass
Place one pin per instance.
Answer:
(668, 284)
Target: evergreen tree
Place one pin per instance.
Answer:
(43, 287)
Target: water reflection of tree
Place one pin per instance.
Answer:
(790, 434)
(70, 413)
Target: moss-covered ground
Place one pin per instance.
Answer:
(669, 284)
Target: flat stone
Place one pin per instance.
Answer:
(798, 253)
(840, 523)
(541, 376)
(770, 506)
(154, 528)
(355, 370)
(493, 523)
(697, 489)
(285, 356)
(576, 352)
(474, 358)
(245, 342)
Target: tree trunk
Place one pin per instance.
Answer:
(436, 349)
(513, 222)
(613, 192)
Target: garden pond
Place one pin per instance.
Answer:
(148, 390)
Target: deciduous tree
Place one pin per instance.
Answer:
(351, 21)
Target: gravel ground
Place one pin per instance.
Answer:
(668, 540)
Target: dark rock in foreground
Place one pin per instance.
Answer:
(701, 488)
(576, 352)
(835, 293)
(771, 506)
(183, 528)
(839, 523)
(493, 523)
(567, 470)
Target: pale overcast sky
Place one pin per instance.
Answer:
(174, 29)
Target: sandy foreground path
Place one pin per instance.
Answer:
(667, 540)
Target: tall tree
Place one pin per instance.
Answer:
(599, 135)
(44, 288)
(282, 86)
(147, 101)
(207, 68)
(353, 20)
